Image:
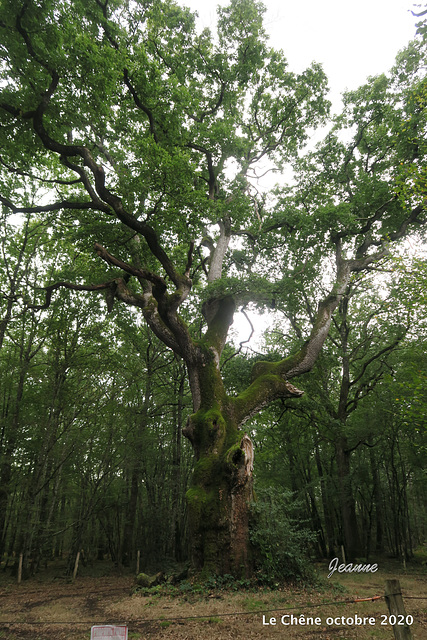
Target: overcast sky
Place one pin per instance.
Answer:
(352, 40)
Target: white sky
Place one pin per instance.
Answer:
(352, 40)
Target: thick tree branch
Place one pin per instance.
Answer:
(212, 183)
(271, 378)
(189, 259)
(24, 34)
(138, 272)
(17, 113)
(149, 308)
(218, 314)
(159, 308)
(218, 252)
(68, 285)
(264, 390)
(55, 206)
(86, 183)
(67, 150)
(303, 361)
(145, 302)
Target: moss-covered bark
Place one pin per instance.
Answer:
(221, 489)
(219, 500)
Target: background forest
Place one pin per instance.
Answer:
(97, 384)
(93, 407)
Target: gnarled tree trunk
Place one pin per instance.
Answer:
(221, 492)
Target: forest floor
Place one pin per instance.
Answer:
(48, 607)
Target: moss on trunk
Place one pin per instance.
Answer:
(221, 489)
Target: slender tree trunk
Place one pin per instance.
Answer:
(347, 502)
(326, 503)
(177, 465)
(379, 517)
(352, 542)
(311, 503)
(6, 465)
(128, 550)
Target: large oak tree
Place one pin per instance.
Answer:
(144, 137)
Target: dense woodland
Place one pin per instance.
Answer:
(93, 407)
(132, 231)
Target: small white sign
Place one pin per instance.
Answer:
(109, 632)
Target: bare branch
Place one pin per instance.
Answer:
(140, 104)
(56, 206)
(26, 174)
(242, 342)
(139, 273)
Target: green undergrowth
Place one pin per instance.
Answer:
(219, 586)
(201, 588)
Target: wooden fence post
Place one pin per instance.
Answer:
(21, 555)
(76, 565)
(138, 559)
(393, 597)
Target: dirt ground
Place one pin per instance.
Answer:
(49, 608)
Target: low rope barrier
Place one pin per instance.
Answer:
(304, 607)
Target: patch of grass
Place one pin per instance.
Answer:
(202, 588)
(337, 587)
(251, 604)
(212, 620)
(420, 555)
(207, 609)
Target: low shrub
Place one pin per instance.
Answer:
(281, 542)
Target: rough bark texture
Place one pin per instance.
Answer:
(220, 496)
(221, 488)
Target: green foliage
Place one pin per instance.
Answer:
(282, 543)
(197, 588)
(152, 99)
(123, 125)
(369, 172)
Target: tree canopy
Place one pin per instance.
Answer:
(137, 139)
